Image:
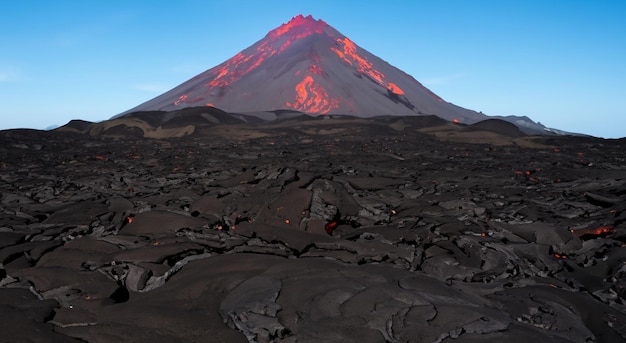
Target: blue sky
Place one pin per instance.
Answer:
(562, 63)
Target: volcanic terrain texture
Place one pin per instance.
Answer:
(307, 191)
(334, 228)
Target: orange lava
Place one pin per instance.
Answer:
(456, 121)
(238, 66)
(312, 98)
(349, 54)
(180, 99)
(298, 22)
(394, 88)
(315, 69)
(241, 64)
(601, 231)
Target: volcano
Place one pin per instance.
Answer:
(194, 222)
(306, 65)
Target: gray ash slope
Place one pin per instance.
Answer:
(108, 236)
(308, 66)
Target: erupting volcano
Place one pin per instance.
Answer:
(306, 65)
(177, 225)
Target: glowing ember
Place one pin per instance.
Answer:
(593, 233)
(331, 226)
(180, 100)
(315, 69)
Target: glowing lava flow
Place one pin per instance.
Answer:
(298, 27)
(312, 98)
(351, 57)
(299, 22)
(275, 42)
(241, 64)
(392, 87)
(180, 99)
(601, 231)
(237, 67)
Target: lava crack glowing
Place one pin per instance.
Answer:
(349, 54)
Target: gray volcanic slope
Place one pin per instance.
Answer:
(307, 65)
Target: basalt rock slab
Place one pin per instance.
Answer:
(25, 318)
(299, 231)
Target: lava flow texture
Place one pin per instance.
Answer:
(309, 95)
(351, 57)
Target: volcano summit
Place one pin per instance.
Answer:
(308, 66)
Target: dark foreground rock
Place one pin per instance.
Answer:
(355, 233)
